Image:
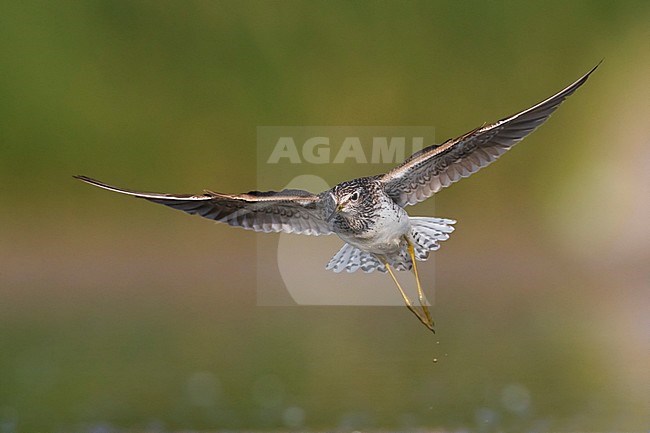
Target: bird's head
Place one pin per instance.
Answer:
(353, 198)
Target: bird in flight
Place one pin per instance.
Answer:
(368, 213)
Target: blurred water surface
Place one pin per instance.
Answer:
(116, 313)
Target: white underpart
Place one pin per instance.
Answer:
(425, 233)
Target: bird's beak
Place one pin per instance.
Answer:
(336, 210)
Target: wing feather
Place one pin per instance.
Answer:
(428, 171)
(288, 211)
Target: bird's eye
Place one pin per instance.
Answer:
(354, 196)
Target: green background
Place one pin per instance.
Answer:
(116, 313)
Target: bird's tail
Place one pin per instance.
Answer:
(351, 259)
(426, 235)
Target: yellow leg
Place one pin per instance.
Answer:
(406, 299)
(421, 296)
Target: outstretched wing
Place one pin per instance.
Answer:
(288, 211)
(428, 171)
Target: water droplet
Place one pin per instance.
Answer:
(435, 360)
